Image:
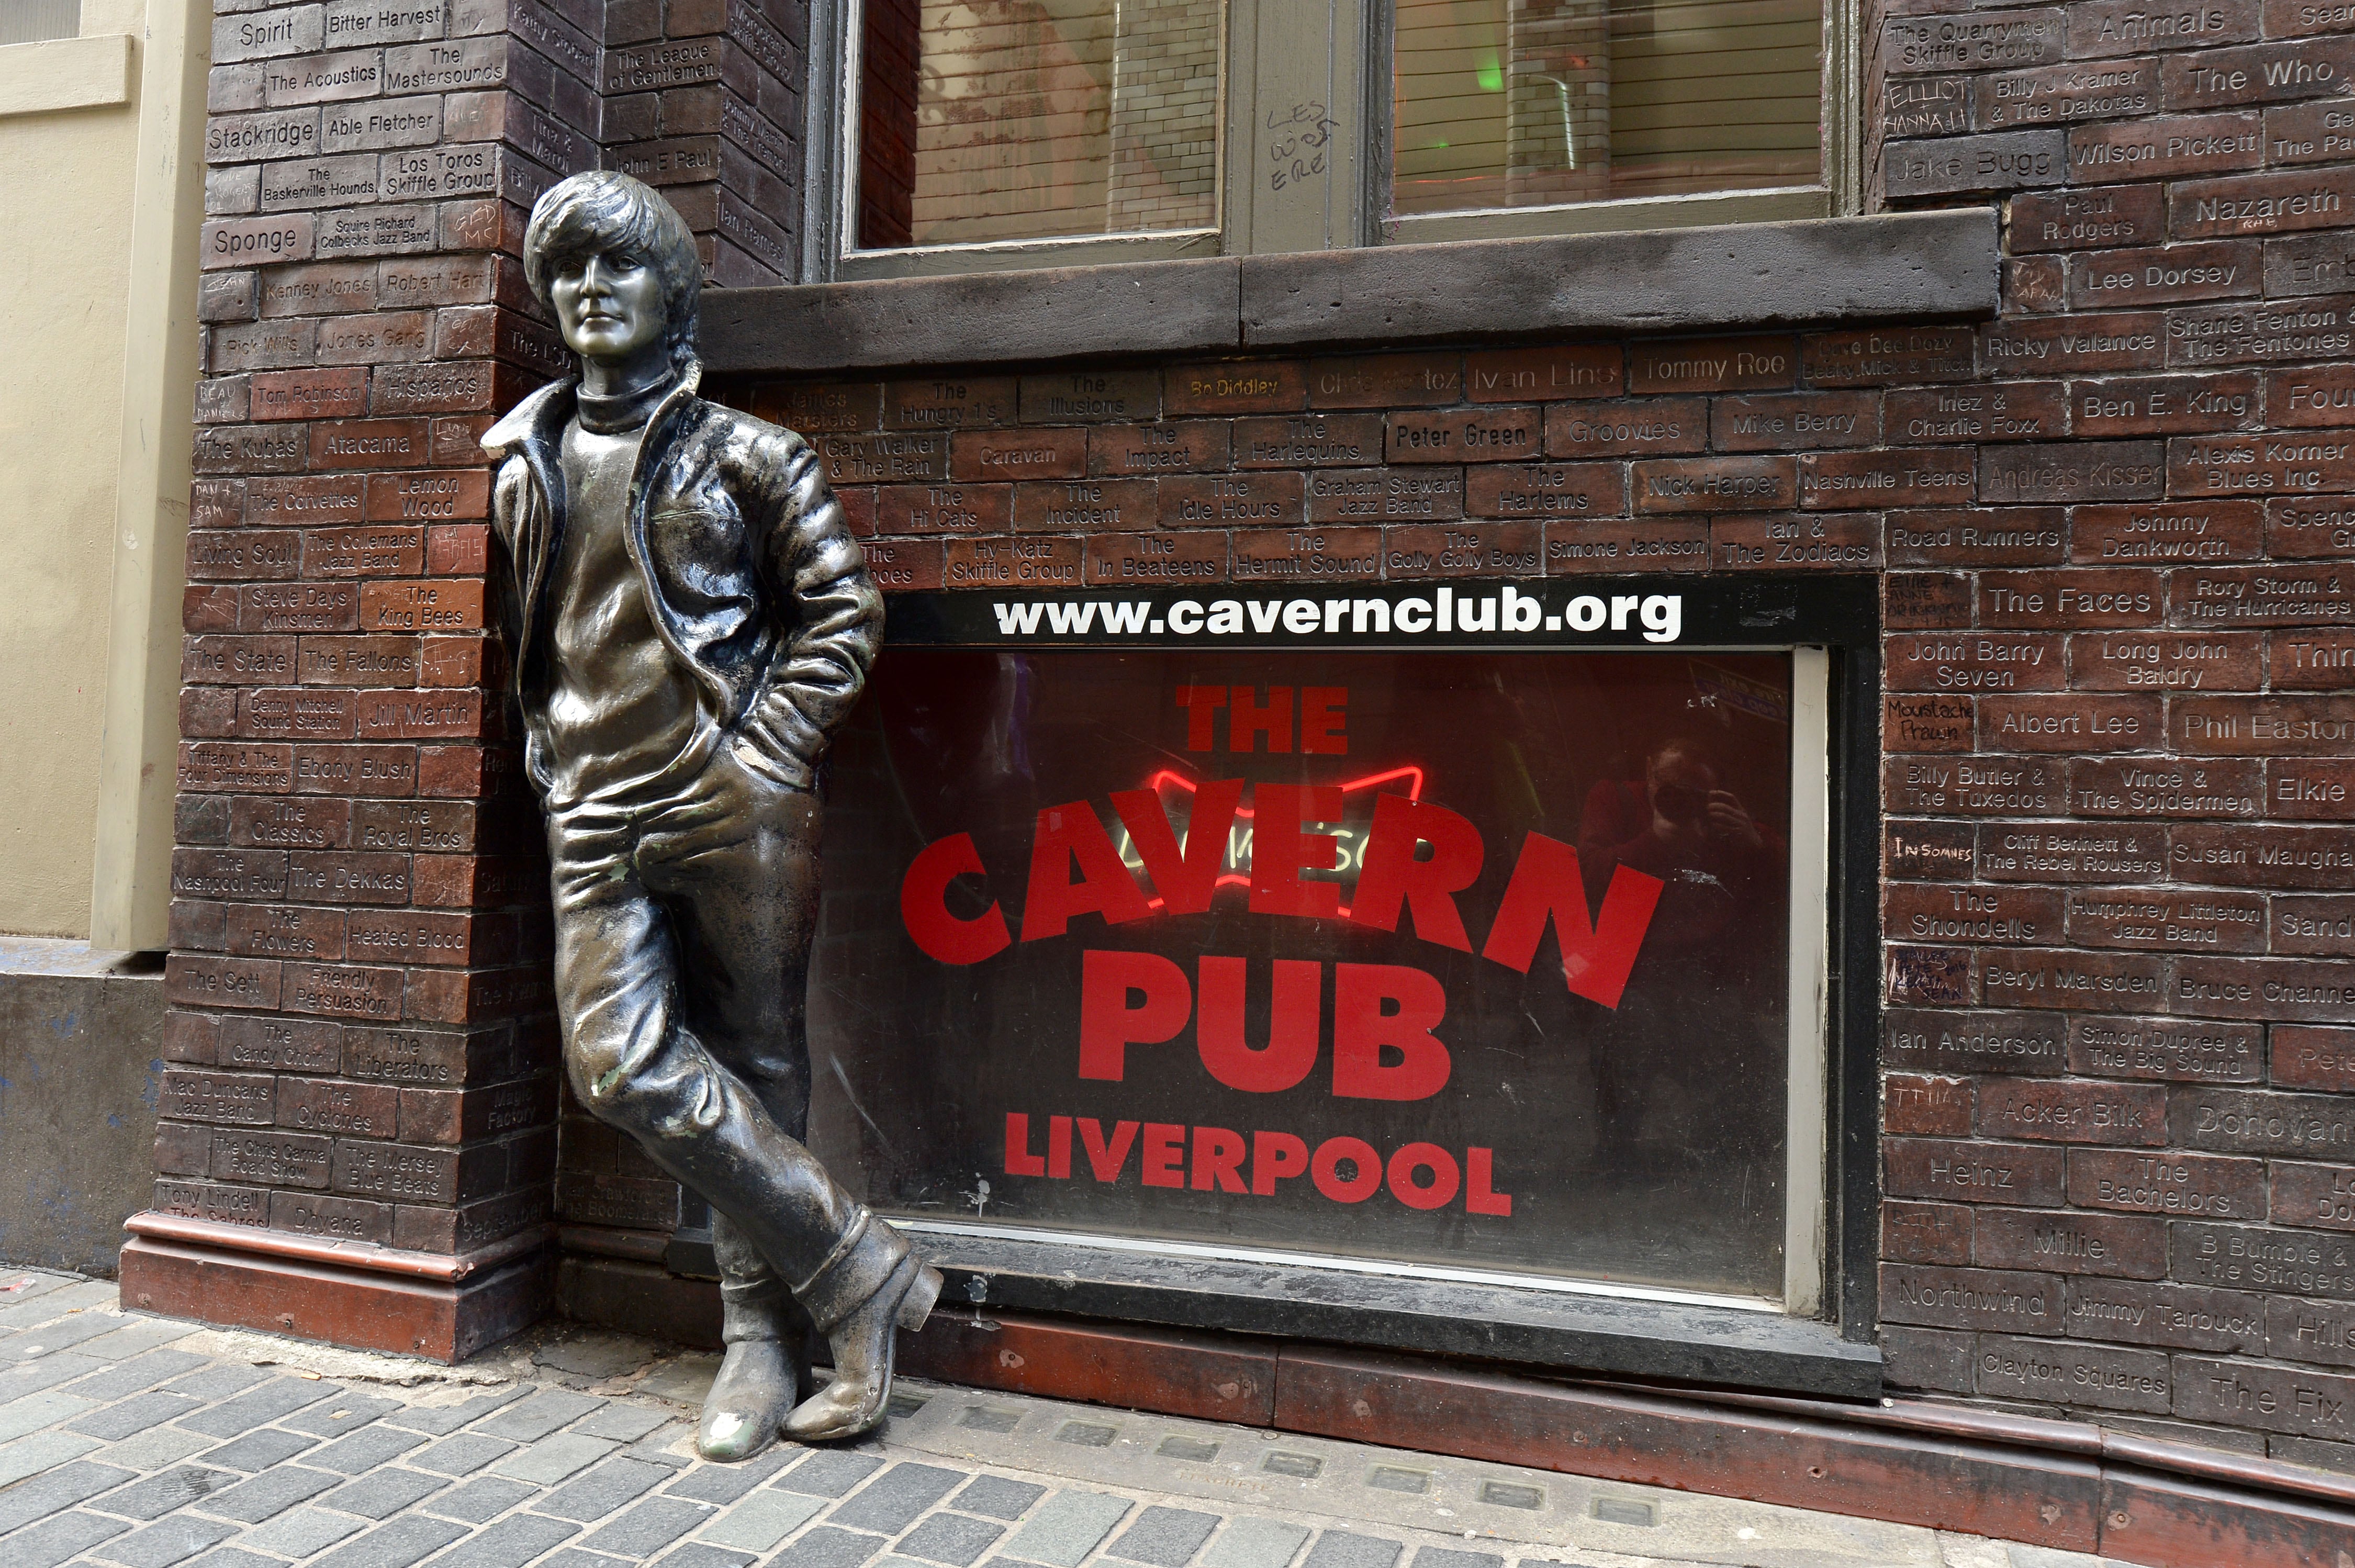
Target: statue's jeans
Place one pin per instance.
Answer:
(683, 930)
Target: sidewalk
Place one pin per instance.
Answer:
(133, 1442)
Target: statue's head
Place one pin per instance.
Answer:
(616, 265)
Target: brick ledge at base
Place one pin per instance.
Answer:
(2058, 1484)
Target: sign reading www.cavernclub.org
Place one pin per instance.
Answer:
(1446, 612)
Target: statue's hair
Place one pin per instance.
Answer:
(603, 210)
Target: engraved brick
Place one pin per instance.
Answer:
(190, 1037)
(1385, 380)
(360, 661)
(891, 458)
(1026, 454)
(426, 388)
(380, 124)
(2267, 73)
(2050, 346)
(299, 607)
(403, 1173)
(368, 443)
(2036, 285)
(2244, 855)
(1520, 375)
(1143, 451)
(2117, 279)
(953, 402)
(2077, 723)
(1243, 387)
(424, 497)
(1926, 724)
(324, 78)
(2088, 982)
(1309, 440)
(226, 296)
(2310, 1331)
(1949, 1042)
(2259, 204)
(2169, 147)
(1315, 553)
(1850, 542)
(1964, 661)
(2309, 263)
(1712, 365)
(1967, 1171)
(305, 933)
(335, 1219)
(1617, 427)
(2307, 1057)
(2166, 921)
(899, 566)
(2070, 1374)
(1771, 422)
(237, 660)
(1950, 165)
(375, 551)
(259, 770)
(220, 1205)
(291, 1045)
(2263, 726)
(384, 231)
(1716, 485)
(2061, 94)
(1928, 849)
(1640, 545)
(251, 242)
(1880, 354)
(308, 394)
(1925, 1232)
(1490, 435)
(429, 1058)
(2180, 1185)
(421, 715)
(2277, 595)
(631, 1202)
(2254, 1121)
(241, 1099)
(1086, 505)
(2253, 1257)
(1970, 1298)
(337, 991)
(1157, 560)
(1463, 550)
(1936, 42)
(289, 30)
(1926, 1358)
(310, 500)
(1925, 106)
(2112, 1246)
(273, 133)
(348, 878)
(817, 408)
(1552, 491)
(271, 1160)
(1213, 500)
(2101, 217)
(2290, 331)
(229, 874)
(243, 557)
(421, 606)
(2272, 1399)
(1918, 911)
(943, 508)
(345, 1110)
(2074, 1112)
(2319, 1196)
(2015, 535)
(1912, 1103)
(1012, 563)
(1900, 476)
(2066, 852)
(319, 182)
(2073, 471)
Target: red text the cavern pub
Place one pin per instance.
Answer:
(1416, 859)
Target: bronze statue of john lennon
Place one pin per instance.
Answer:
(691, 621)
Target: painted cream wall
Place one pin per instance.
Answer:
(72, 178)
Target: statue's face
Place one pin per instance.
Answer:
(609, 305)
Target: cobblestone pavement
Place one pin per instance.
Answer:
(136, 1441)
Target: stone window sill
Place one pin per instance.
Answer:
(64, 73)
(1911, 267)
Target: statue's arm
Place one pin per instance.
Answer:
(828, 610)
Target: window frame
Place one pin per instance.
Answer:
(1348, 209)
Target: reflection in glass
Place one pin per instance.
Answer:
(1535, 103)
(1640, 1139)
(984, 119)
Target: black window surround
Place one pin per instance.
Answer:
(1910, 267)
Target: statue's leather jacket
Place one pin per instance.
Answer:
(755, 583)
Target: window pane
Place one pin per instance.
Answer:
(1024, 119)
(30, 21)
(1531, 102)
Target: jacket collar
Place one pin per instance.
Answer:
(538, 420)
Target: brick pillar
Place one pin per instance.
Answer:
(359, 1097)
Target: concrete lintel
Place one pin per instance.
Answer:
(1909, 266)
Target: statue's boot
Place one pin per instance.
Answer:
(869, 1285)
(767, 1371)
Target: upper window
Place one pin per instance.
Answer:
(997, 133)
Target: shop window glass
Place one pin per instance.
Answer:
(1009, 120)
(1576, 1066)
(1511, 103)
(30, 21)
